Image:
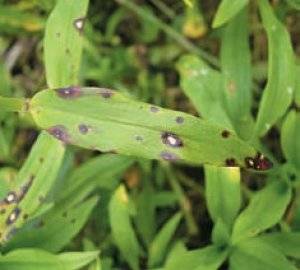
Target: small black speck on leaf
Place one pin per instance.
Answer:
(69, 92)
(179, 120)
(171, 139)
(168, 156)
(83, 129)
(59, 132)
(154, 109)
(230, 162)
(225, 134)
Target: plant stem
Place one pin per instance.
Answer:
(183, 200)
(8, 104)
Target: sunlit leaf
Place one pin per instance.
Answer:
(227, 10)
(264, 210)
(256, 254)
(33, 183)
(63, 42)
(107, 121)
(159, 245)
(280, 86)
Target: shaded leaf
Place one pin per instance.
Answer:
(236, 67)
(122, 230)
(210, 257)
(264, 210)
(287, 243)
(256, 254)
(223, 194)
(227, 10)
(77, 260)
(280, 86)
(161, 241)
(290, 134)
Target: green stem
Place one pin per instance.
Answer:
(180, 39)
(8, 104)
(183, 200)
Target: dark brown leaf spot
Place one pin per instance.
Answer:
(106, 93)
(139, 138)
(13, 216)
(179, 120)
(59, 132)
(83, 129)
(225, 134)
(171, 139)
(259, 162)
(154, 109)
(230, 162)
(69, 92)
(168, 156)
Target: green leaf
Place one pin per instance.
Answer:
(223, 194)
(122, 230)
(210, 258)
(297, 89)
(203, 86)
(55, 229)
(294, 3)
(161, 241)
(63, 42)
(102, 171)
(77, 260)
(227, 10)
(33, 183)
(264, 210)
(221, 233)
(101, 119)
(281, 74)
(287, 243)
(236, 67)
(256, 254)
(290, 135)
(28, 259)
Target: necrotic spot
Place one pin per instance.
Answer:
(69, 92)
(106, 93)
(139, 138)
(171, 139)
(168, 156)
(83, 129)
(179, 120)
(79, 24)
(59, 132)
(230, 162)
(11, 197)
(13, 216)
(259, 162)
(225, 134)
(154, 109)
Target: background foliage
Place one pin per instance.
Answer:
(234, 63)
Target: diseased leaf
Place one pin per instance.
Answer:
(101, 119)
(55, 229)
(287, 243)
(63, 42)
(227, 10)
(223, 194)
(122, 230)
(256, 254)
(290, 138)
(33, 183)
(210, 258)
(161, 241)
(236, 69)
(264, 210)
(281, 71)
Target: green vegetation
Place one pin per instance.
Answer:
(156, 135)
